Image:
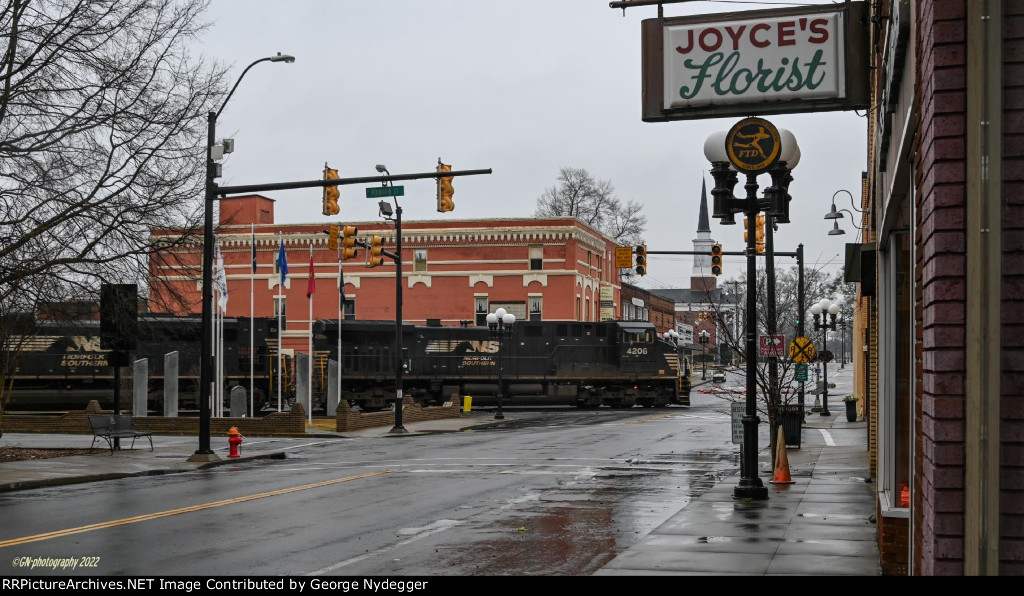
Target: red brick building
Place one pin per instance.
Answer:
(453, 271)
(941, 285)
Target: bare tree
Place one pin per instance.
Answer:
(102, 129)
(578, 194)
(731, 317)
(102, 122)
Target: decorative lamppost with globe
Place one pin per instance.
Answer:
(704, 337)
(819, 310)
(753, 146)
(500, 323)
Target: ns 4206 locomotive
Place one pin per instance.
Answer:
(586, 364)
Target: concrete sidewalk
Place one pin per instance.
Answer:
(822, 524)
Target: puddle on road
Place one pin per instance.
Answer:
(580, 525)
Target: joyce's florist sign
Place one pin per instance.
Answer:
(805, 59)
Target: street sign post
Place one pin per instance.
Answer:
(770, 346)
(376, 192)
(623, 257)
(737, 411)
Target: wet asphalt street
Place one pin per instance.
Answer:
(550, 492)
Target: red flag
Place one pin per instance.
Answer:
(311, 284)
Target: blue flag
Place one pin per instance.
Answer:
(282, 263)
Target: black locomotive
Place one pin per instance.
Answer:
(616, 364)
(64, 365)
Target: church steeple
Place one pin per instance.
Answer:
(702, 279)
(703, 225)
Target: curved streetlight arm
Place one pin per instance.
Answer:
(853, 219)
(278, 58)
(848, 193)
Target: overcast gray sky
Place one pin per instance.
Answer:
(523, 87)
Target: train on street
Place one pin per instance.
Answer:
(584, 364)
(62, 366)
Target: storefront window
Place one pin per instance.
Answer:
(896, 326)
(903, 394)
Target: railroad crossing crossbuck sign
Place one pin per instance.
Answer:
(801, 350)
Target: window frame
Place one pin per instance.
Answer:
(419, 264)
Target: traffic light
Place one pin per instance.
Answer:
(641, 259)
(332, 237)
(331, 193)
(444, 189)
(376, 258)
(716, 259)
(759, 240)
(348, 242)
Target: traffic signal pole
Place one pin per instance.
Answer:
(222, 191)
(774, 391)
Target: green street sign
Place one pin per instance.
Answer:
(801, 372)
(377, 192)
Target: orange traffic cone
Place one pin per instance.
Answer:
(781, 462)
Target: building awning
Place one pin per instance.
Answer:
(860, 266)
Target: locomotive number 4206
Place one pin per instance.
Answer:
(637, 351)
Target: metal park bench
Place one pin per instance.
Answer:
(115, 426)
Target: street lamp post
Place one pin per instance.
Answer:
(399, 364)
(206, 365)
(729, 154)
(704, 337)
(819, 310)
(500, 323)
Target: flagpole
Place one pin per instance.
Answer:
(309, 294)
(220, 365)
(252, 324)
(216, 359)
(341, 315)
(280, 329)
(213, 348)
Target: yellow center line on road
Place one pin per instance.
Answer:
(159, 514)
(650, 418)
